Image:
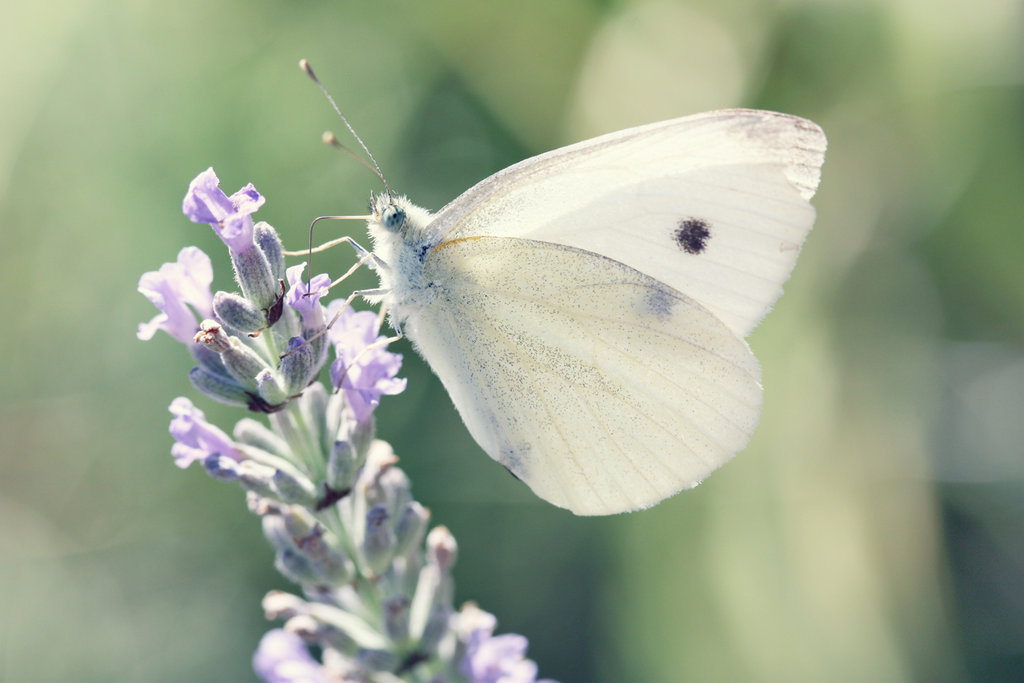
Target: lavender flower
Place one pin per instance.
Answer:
(376, 586)
(373, 375)
(308, 307)
(196, 438)
(231, 217)
(181, 290)
(282, 657)
(490, 658)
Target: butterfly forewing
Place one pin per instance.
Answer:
(714, 205)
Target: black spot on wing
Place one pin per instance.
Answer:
(692, 235)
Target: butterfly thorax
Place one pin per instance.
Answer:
(403, 250)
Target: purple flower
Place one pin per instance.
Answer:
(282, 657)
(364, 380)
(174, 288)
(230, 217)
(490, 658)
(195, 437)
(500, 659)
(309, 307)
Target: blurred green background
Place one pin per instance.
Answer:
(872, 530)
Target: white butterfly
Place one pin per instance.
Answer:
(586, 309)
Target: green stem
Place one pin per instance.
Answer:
(292, 428)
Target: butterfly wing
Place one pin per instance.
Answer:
(715, 205)
(600, 387)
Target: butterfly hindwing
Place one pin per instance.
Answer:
(600, 387)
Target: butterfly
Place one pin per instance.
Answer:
(587, 308)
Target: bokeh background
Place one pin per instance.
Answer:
(872, 530)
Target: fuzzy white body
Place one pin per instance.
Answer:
(586, 309)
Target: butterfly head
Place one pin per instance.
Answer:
(400, 230)
(393, 218)
(390, 214)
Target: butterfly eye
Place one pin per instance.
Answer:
(393, 218)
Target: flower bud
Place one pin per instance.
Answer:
(255, 278)
(212, 336)
(425, 599)
(219, 388)
(437, 627)
(410, 528)
(334, 568)
(376, 484)
(362, 436)
(313, 631)
(294, 487)
(281, 605)
(314, 406)
(299, 522)
(275, 530)
(243, 363)
(296, 529)
(238, 313)
(341, 465)
(260, 506)
(305, 627)
(221, 468)
(349, 623)
(295, 566)
(269, 387)
(267, 240)
(380, 456)
(394, 485)
(299, 365)
(209, 360)
(441, 548)
(378, 540)
(257, 478)
(396, 618)
(253, 433)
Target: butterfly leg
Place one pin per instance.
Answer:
(358, 248)
(348, 302)
(368, 256)
(364, 255)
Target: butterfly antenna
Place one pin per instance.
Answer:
(304, 65)
(329, 138)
